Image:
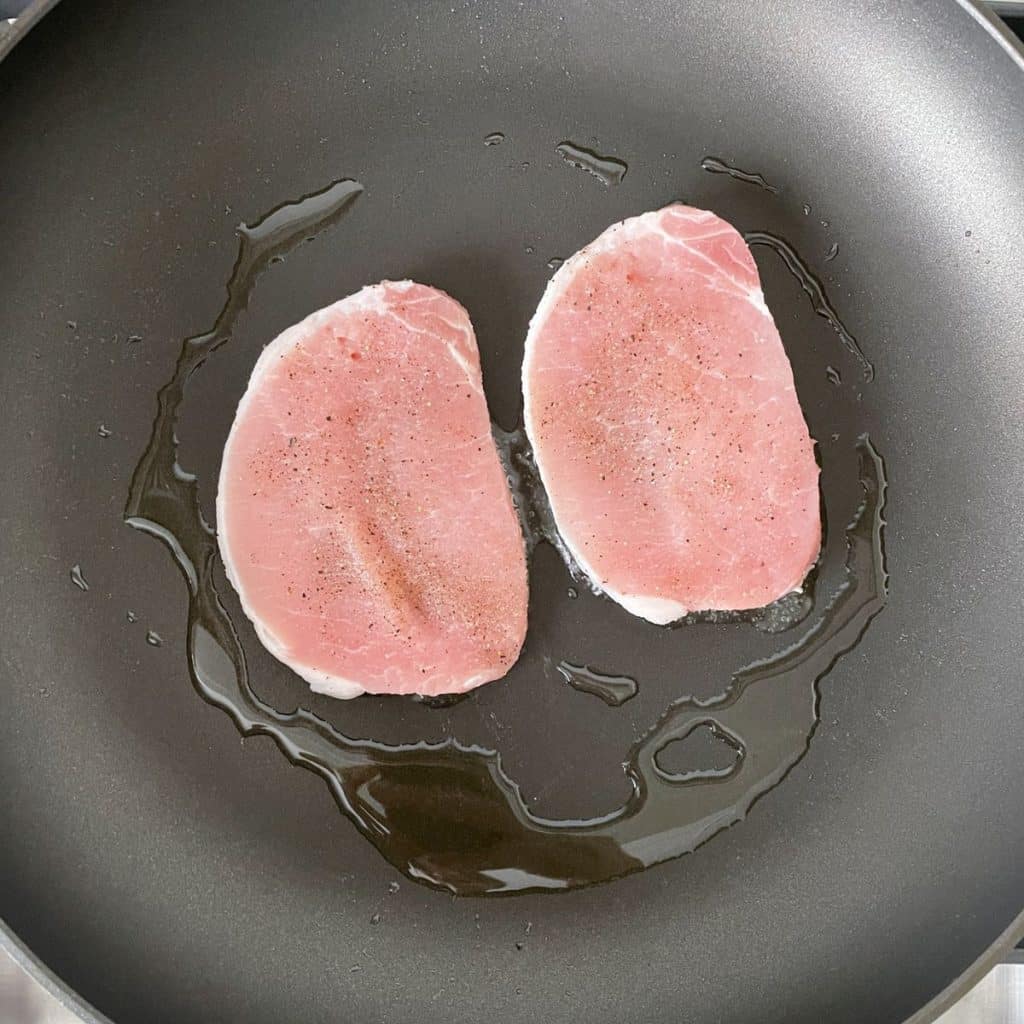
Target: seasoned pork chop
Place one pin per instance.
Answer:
(363, 514)
(665, 424)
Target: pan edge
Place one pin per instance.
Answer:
(996, 953)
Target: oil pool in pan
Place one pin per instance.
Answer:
(446, 814)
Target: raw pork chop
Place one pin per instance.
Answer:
(363, 513)
(666, 428)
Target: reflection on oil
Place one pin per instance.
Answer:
(705, 766)
(716, 166)
(607, 169)
(613, 690)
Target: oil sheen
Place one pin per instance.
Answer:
(613, 690)
(716, 166)
(608, 170)
(447, 814)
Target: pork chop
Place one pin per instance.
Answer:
(664, 420)
(363, 513)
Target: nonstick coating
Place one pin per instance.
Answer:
(169, 872)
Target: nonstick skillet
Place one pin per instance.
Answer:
(166, 870)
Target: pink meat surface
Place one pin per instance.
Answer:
(665, 424)
(363, 513)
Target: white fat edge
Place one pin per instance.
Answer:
(332, 686)
(659, 610)
(472, 682)
(318, 680)
(346, 689)
(756, 299)
(555, 289)
(369, 298)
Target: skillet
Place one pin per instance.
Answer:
(167, 871)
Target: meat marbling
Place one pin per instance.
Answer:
(665, 424)
(363, 512)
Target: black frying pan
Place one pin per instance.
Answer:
(168, 872)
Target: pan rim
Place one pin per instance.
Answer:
(55, 987)
(23, 23)
(996, 953)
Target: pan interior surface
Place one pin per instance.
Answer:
(168, 871)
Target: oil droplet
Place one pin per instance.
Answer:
(807, 209)
(607, 169)
(832, 252)
(153, 638)
(967, 233)
(834, 376)
(103, 431)
(716, 166)
(375, 919)
(555, 262)
(613, 690)
(494, 139)
(77, 578)
(815, 291)
(573, 593)
(131, 616)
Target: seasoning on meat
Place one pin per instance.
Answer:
(665, 423)
(363, 513)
